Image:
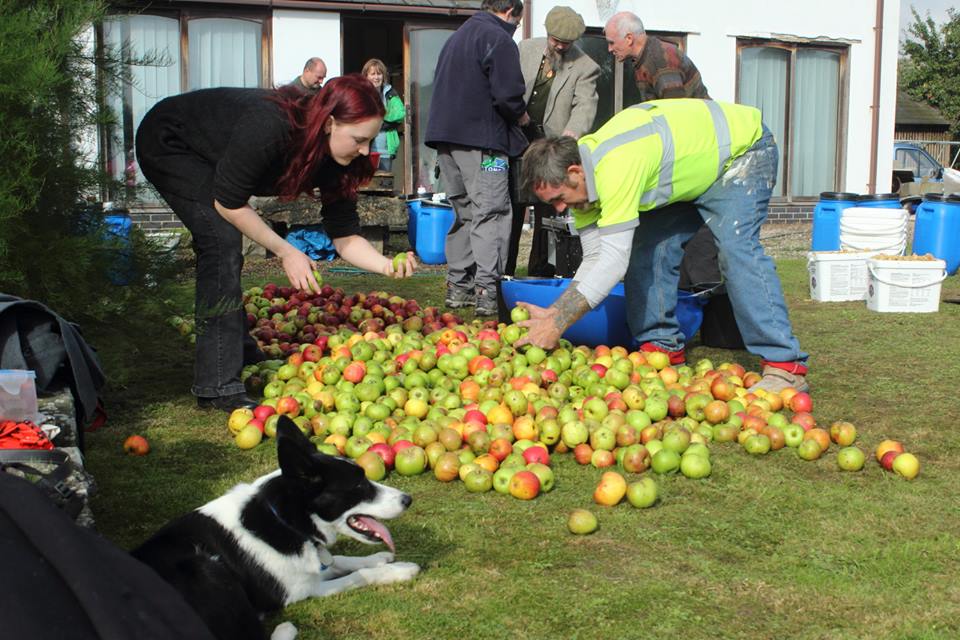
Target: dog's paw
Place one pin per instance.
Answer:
(284, 631)
(380, 559)
(390, 573)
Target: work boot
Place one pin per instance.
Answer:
(776, 380)
(458, 298)
(486, 302)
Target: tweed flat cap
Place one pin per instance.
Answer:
(563, 23)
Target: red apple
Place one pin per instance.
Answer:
(136, 446)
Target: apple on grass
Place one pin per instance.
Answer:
(136, 446)
(643, 493)
(695, 466)
(850, 459)
(249, 437)
(582, 522)
(611, 489)
(524, 485)
(906, 465)
(478, 480)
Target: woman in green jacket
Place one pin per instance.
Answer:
(388, 140)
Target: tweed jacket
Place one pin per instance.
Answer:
(572, 103)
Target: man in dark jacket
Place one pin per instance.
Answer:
(475, 117)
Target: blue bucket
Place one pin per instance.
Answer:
(117, 227)
(937, 229)
(826, 219)
(427, 229)
(607, 323)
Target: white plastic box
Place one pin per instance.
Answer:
(837, 276)
(911, 286)
(18, 395)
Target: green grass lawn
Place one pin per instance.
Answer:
(768, 547)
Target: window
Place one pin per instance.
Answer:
(165, 55)
(799, 89)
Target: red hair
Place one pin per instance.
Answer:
(350, 99)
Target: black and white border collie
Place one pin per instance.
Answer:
(264, 545)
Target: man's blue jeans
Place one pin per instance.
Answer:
(734, 208)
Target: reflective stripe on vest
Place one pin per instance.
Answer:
(658, 126)
(722, 129)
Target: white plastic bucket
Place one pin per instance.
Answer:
(911, 286)
(838, 276)
(874, 229)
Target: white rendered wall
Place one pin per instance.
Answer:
(713, 28)
(301, 35)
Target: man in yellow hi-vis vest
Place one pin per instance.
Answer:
(718, 156)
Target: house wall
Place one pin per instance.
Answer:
(713, 28)
(301, 35)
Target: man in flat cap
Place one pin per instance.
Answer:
(561, 97)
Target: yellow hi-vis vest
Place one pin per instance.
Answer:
(659, 152)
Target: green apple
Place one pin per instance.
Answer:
(519, 314)
(478, 481)
(502, 477)
(793, 435)
(695, 466)
(582, 522)
(850, 459)
(757, 445)
(665, 461)
(642, 493)
(676, 440)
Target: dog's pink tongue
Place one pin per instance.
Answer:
(378, 530)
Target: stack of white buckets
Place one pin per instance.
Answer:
(874, 230)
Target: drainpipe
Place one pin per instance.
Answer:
(875, 107)
(527, 12)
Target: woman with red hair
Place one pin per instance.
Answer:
(207, 152)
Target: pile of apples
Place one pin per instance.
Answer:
(462, 403)
(283, 319)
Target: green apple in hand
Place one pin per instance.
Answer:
(398, 260)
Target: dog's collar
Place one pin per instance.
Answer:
(323, 554)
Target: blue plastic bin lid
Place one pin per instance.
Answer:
(867, 197)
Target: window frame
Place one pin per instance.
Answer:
(843, 81)
(183, 17)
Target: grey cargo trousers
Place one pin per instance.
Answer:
(476, 183)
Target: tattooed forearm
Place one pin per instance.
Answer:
(570, 307)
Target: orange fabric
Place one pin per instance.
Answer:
(22, 435)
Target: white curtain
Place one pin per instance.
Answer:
(224, 52)
(763, 84)
(816, 111)
(151, 47)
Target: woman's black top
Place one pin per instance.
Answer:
(226, 145)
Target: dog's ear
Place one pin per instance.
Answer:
(295, 453)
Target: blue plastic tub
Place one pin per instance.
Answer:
(117, 227)
(826, 219)
(607, 323)
(879, 200)
(937, 229)
(427, 229)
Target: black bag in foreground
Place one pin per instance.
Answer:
(63, 581)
